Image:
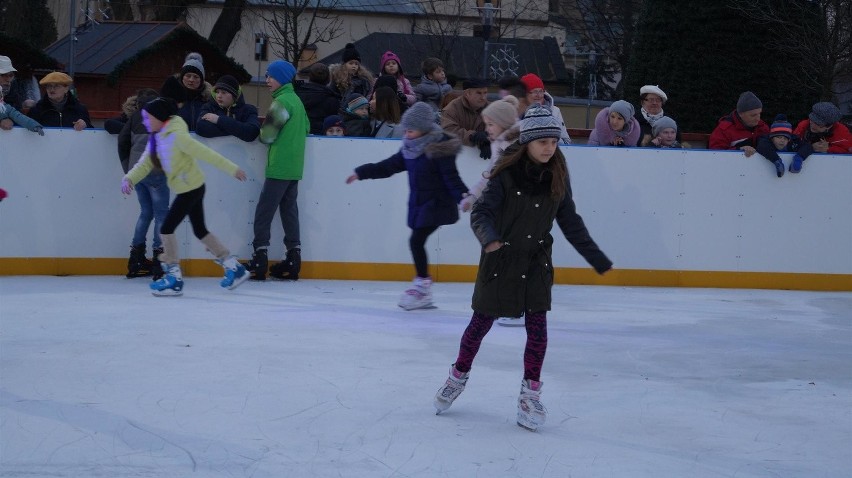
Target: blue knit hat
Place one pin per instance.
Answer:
(282, 71)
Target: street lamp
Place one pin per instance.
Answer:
(486, 12)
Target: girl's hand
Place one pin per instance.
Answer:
(126, 186)
(618, 141)
(352, 178)
(240, 174)
(79, 125)
(493, 246)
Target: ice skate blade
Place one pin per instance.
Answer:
(167, 293)
(420, 307)
(511, 322)
(238, 281)
(528, 428)
(528, 423)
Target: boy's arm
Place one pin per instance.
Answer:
(276, 118)
(247, 128)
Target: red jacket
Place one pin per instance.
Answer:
(839, 138)
(731, 133)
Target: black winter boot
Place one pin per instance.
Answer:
(289, 268)
(258, 265)
(157, 266)
(137, 264)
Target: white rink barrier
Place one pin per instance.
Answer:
(665, 217)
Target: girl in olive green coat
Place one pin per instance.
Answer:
(528, 189)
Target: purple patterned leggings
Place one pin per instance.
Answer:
(480, 324)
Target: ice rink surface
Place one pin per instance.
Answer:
(331, 379)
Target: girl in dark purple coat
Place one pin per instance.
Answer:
(429, 156)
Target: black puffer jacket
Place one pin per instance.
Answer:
(320, 102)
(517, 209)
(239, 120)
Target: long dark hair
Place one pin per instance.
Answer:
(387, 105)
(557, 167)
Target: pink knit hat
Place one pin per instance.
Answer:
(389, 55)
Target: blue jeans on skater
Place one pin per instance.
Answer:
(153, 195)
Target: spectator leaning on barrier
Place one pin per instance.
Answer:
(615, 125)
(740, 128)
(462, 116)
(780, 138)
(821, 132)
(11, 114)
(664, 133)
(651, 99)
(60, 108)
(228, 114)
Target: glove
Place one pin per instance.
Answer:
(467, 203)
(402, 98)
(779, 167)
(37, 129)
(126, 186)
(796, 165)
(479, 137)
(3, 194)
(485, 151)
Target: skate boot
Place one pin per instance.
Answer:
(157, 267)
(531, 413)
(137, 264)
(418, 296)
(171, 283)
(451, 390)
(289, 267)
(511, 321)
(258, 265)
(235, 273)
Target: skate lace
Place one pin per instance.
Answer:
(415, 293)
(530, 402)
(452, 389)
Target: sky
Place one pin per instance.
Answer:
(320, 378)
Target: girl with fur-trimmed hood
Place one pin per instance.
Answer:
(350, 76)
(428, 154)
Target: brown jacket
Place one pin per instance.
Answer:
(460, 119)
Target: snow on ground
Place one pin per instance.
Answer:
(331, 379)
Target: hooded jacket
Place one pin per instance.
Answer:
(320, 102)
(435, 188)
(731, 133)
(603, 134)
(178, 152)
(240, 120)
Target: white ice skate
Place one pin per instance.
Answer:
(511, 321)
(418, 296)
(451, 390)
(531, 413)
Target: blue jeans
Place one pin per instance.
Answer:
(153, 195)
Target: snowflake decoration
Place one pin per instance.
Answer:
(503, 62)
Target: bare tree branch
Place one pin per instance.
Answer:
(297, 24)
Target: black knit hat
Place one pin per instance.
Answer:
(230, 84)
(474, 83)
(386, 80)
(172, 88)
(161, 108)
(350, 53)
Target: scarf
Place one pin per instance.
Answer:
(628, 126)
(413, 148)
(651, 119)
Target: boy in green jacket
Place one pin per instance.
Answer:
(285, 128)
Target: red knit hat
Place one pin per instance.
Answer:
(532, 81)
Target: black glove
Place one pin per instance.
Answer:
(479, 138)
(485, 151)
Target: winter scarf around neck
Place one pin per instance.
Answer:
(412, 148)
(651, 119)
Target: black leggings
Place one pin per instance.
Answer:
(417, 244)
(189, 203)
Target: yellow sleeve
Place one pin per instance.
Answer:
(141, 168)
(195, 149)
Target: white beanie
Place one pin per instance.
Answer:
(504, 112)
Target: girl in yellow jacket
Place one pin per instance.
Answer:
(173, 150)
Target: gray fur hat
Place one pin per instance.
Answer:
(539, 123)
(825, 114)
(623, 108)
(419, 117)
(748, 101)
(661, 124)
